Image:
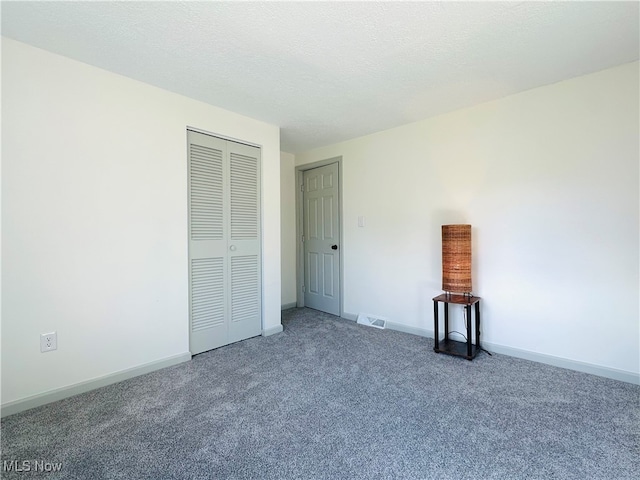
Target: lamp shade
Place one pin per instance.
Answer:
(456, 258)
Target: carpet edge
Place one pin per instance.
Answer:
(27, 403)
(583, 367)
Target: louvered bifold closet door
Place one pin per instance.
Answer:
(244, 240)
(208, 232)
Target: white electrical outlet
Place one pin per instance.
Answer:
(48, 342)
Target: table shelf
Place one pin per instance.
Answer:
(454, 347)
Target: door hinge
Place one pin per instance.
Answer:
(302, 187)
(304, 289)
(303, 238)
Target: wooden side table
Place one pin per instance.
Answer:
(467, 350)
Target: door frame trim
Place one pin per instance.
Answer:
(224, 137)
(299, 170)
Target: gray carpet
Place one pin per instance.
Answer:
(328, 398)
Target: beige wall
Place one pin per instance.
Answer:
(288, 228)
(94, 219)
(549, 180)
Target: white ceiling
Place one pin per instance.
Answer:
(331, 71)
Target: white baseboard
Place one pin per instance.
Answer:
(272, 330)
(287, 306)
(422, 332)
(576, 365)
(33, 401)
(615, 374)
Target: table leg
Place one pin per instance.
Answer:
(469, 331)
(435, 326)
(478, 325)
(446, 321)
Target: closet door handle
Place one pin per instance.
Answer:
(232, 248)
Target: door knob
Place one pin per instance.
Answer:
(232, 248)
(334, 247)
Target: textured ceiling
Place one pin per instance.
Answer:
(331, 71)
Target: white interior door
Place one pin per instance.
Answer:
(207, 242)
(224, 242)
(245, 304)
(321, 237)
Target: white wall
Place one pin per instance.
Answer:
(94, 219)
(549, 180)
(288, 227)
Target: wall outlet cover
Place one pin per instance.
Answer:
(48, 342)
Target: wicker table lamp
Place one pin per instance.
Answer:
(456, 259)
